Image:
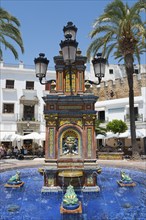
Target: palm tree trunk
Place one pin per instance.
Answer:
(129, 72)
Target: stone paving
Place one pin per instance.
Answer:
(7, 164)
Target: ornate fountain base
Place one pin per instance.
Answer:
(82, 174)
(90, 189)
(7, 185)
(122, 184)
(71, 211)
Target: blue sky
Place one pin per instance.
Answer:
(42, 22)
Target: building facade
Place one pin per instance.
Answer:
(113, 102)
(22, 106)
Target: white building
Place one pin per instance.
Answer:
(113, 102)
(21, 103)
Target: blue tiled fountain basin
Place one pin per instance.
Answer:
(111, 203)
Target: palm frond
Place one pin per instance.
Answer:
(9, 30)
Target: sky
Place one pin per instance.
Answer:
(42, 23)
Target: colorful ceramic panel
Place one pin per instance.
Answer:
(67, 82)
(80, 81)
(89, 141)
(51, 142)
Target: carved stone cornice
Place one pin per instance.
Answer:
(76, 121)
(89, 119)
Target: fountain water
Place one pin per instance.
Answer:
(112, 202)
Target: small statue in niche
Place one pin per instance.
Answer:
(70, 145)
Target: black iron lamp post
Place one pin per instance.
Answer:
(69, 48)
(99, 64)
(41, 64)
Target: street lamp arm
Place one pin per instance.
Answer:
(94, 83)
(99, 80)
(42, 83)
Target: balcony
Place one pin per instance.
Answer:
(25, 123)
(30, 118)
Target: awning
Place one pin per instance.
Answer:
(108, 135)
(32, 136)
(100, 136)
(140, 133)
(6, 136)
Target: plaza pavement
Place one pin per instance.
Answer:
(9, 164)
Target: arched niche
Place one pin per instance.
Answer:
(70, 143)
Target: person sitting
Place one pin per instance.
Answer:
(15, 152)
(9, 152)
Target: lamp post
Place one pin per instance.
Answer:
(70, 29)
(99, 67)
(69, 49)
(41, 64)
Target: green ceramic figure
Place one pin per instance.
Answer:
(70, 197)
(125, 177)
(15, 178)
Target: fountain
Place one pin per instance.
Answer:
(70, 162)
(112, 202)
(70, 147)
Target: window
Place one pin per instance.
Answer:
(136, 113)
(111, 71)
(30, 85)
(10, 84)
(45, 107)
(101, 115)
(8, 108)
(136, 71)
(28, 113)
(115, 110)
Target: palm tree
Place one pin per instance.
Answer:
(98, 128)
(121, 31)
(9, 30)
